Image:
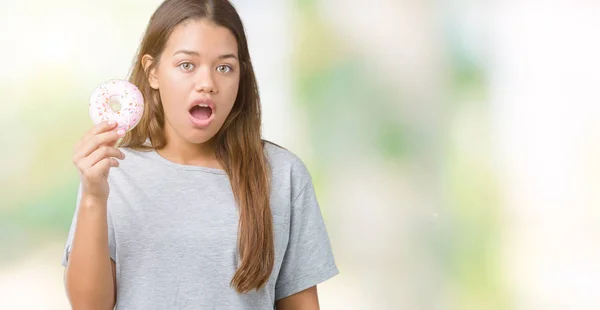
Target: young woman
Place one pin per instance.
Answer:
(199, 212)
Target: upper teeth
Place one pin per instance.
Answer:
(203, 105)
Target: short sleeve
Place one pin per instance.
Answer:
(308, 259)
(111, 235)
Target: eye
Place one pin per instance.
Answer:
(186, 66)
(224, 68)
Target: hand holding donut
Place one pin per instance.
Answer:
(115, 107)
(94, 155)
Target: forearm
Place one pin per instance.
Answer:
(89, 276)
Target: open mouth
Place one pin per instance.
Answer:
(201, 112)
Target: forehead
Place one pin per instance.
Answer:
(203, 37)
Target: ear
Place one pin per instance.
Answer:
(150, 70)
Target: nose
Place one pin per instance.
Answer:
(205, 81)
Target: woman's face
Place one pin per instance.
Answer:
(197, 76)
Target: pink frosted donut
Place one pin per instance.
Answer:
(117, 100)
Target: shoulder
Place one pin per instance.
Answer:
(135, 152)
(281, 158)
(287, 167)
(135, 157)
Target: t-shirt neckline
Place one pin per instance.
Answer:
(154, 154)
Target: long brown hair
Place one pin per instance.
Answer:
(239, 147)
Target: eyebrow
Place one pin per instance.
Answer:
(192, 53)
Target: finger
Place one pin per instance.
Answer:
(108, 138)
(99, 128)
(100, 154)
(101, 168)
(94, 130)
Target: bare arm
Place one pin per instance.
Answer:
(305, 300)
(90, 273)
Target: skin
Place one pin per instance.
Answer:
(304, 300)
(90, 273)
(199, 61)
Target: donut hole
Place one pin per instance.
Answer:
(115, 103)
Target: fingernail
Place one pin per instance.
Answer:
(111, 122)
(120, 132)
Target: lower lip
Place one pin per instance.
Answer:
(202, 123)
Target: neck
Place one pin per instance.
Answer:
(185, 153)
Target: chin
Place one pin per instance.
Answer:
(199, 138)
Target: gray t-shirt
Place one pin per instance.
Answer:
(173, 234)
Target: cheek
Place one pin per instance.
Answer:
(231, 90)
(172, 79)
(172, 89)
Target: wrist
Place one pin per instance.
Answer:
(90, 201)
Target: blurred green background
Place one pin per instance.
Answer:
(453, 144)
